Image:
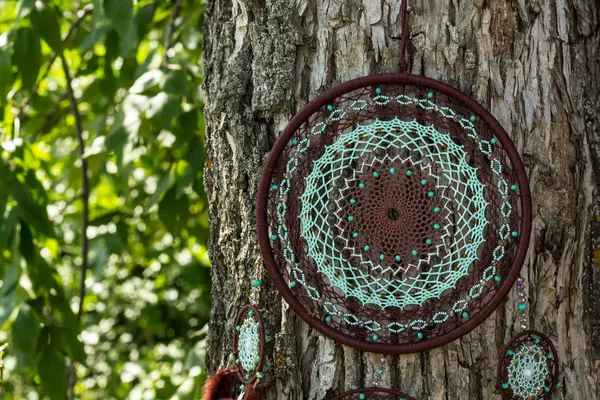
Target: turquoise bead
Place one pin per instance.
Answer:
(465, 315)
(423, 181)
(522, 307)
(430, 194)
(294, 141)
(273, 237)
(328, 319)
(353, 201)
(497, 278)
(378, 90)
(493, 140)
(329, 107)
(513, 187)
(355, 235)
(436, 210)
(505, 385)
(274, 187)
(510, 352)
(515, 233)
(238, 328)
(256, 282)
(366, 248)
(392, 171)
(430, 95)
(549, 355)
(420, 335)
(292, 284)
(398, 258)
(350, 218)
(381, 256)
(375, 337)
(414, 253)
(375, 174)
(429, 241)
(361, 185)
(436, 226)
(473, 118)
(408, 173)
(361, 396)
(546, 389)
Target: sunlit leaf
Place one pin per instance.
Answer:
(27, 55)
(52, 369)
(45, 21)
(26, 330)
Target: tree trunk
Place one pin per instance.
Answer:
(534, 64)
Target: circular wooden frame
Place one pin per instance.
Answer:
(373, 393)
(263, 223)
(236, 336)
(528, 337)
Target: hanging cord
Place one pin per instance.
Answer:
(379, 372)
(522, 307)
(404, 12)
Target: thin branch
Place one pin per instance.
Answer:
(85, 195)
(169, 40)
(81, 14)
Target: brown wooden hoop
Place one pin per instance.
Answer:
(373, 394)
(523, 338)
(492, 126)
(236, 336)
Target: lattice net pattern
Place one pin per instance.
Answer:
(394, 214)
(248, 341)
(528, 369)
(373, 394)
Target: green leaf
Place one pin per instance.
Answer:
(8, 226)
(10, 279)
(142, 18)
(25, 7)
(120, 14)
(52, 369)
(6, 76)
(94, 37)
(45, 20)
(26, 330)
(165, 183)
(72, 345)
(27, 55)
(32, 212)
(173, 212)
(195, 161)
(26, 246)
(176, 83)
(163, 109)
(7, 307)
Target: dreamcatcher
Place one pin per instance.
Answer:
(246, 361)
(528, 368)
(393, 212)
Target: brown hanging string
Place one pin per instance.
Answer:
(403, 65)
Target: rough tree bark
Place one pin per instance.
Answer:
(535, 64)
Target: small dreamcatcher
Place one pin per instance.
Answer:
(393, 212)
(247, 358)
(374, 392)
(528, 368)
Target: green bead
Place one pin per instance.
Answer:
(329, 107)
(375, 337)
(515, 233)
(430, 194)
(381, 256)
(250, 313)
(355, 235)
(546, 389)
(361, 185)
(256, 282)
(378, 90)
(375, 174)
(514, 187)
(292, 284)
(353, 201)
(414, 252)
(437, 210)
(274, 187)
(398, 258)
(409, 173)
(549, 355)
(420, 335)
(497, 278)
(465, 315)
(430, 95)
(537, 340)
(473, 118)
(429, 241)
(361, 396)
(522, 307)
(510, 352)
(493, 140)
(238, 328)
(350, 218)
(273, 237)
(328, 319)
(505, 385)
(436, 226)
(423, 181)
(294, 141)
(392, 171)
(366, 248)
(261, 375)
(237, 361)
(247, 376)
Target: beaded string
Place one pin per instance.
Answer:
(379, 372)
(522, 307)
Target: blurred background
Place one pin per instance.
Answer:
(101, 157)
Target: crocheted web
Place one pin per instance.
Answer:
(388, 270)
(248, 344)
(528, 368)
(394, 214)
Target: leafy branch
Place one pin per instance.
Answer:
(169, 40)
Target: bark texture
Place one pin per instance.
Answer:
(535, 64)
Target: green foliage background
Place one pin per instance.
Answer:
(136, 69)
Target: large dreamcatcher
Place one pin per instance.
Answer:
(393, 213)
